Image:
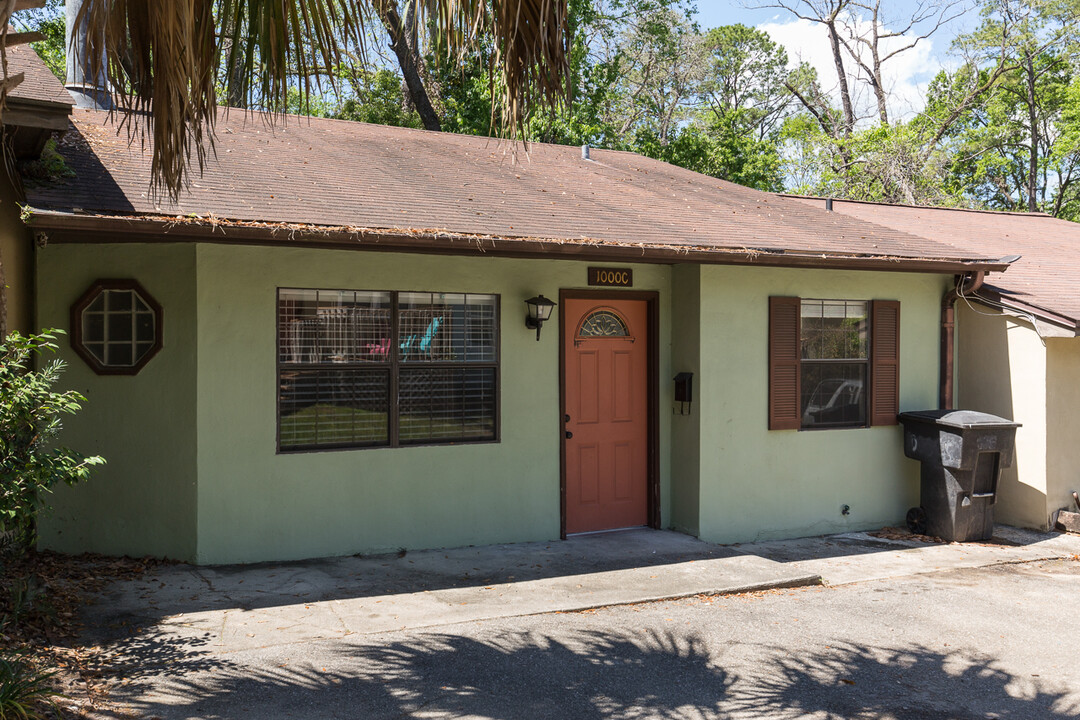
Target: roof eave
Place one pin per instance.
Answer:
(1060, 325)
(95, 228)
(28, 112)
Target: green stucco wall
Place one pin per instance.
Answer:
(143, 501)
(686, 333)
(759, 484)
(255, 504)
(194, 474)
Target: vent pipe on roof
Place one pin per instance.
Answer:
(88, 92)
(585, 152)
(828, 204)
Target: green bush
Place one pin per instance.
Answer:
(30, 420)
(25, 691)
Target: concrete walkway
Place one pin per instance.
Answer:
(229, 609)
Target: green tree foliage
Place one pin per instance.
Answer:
(30, 421)
(1065, 156)
(49, 21)
(378, 99)
(646, 80)
(745, 81)
(999, 131)
(1014, 147)
(464, 102)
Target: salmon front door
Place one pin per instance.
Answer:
(606, 366)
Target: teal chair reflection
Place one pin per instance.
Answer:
(421, 344)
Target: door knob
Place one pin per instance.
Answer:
(569, 434)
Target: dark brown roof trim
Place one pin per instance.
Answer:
(88, 228)
(823, 199)
(998, 296)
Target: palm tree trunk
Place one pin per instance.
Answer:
(238, 86)
(399, 43)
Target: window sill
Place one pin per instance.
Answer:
(359, 448)
(820, 428)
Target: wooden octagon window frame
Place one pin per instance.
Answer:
(80, 306)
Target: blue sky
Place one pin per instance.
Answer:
(721, 12)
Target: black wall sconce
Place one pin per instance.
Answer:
(539, 310)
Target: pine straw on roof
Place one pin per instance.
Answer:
(294, 231)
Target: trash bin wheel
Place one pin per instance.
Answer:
(916, 520)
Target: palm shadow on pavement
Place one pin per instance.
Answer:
(513, 675)
(910, 683)
(586, 674)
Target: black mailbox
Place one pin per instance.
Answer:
(962, 454)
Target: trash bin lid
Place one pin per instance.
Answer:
(958, 419)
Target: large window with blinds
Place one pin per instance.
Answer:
(364, 368)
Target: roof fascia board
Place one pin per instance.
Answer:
(841, 201)
(111, 228)
(41, 104)
(35, 117)
(1046, 322)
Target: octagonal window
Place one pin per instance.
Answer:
(116, 327)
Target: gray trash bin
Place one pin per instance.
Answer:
(962, 454)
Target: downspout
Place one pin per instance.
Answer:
(965, 284)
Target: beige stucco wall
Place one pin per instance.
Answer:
(1062, 423)
(17, 255)
(1001, 368)
(759, 484)
(143, 501)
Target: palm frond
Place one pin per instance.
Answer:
(161, 59)
(531, 41)
(165, 58)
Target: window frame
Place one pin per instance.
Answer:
(78, 341)
(822, 362)
(784, 365)
(393, 365)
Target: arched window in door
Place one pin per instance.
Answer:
(603, 323)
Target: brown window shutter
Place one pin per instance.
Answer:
(884, 362)
(784, 354)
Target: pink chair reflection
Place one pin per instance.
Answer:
(379, 350)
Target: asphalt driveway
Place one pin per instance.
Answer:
(905, 631)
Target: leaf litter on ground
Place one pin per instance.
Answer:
(41, 594)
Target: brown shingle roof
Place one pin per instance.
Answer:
(39, 85)
(334, 173)
(1047, 276)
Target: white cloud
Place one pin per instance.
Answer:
(906, 76)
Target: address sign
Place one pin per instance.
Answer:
(611, 277)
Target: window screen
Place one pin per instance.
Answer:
(377, 369)
(834, 341)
